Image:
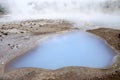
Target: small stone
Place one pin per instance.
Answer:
(2, 28)
(5, 33)
(3, 25)
(20, 24)
(12, 46)
(21, 32)
(40, 25)
(119, 45)
(118, 35)
(8, 44)
(17, 46)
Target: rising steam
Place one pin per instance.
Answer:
(99, 12)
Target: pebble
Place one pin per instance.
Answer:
(118, 35)
(8, 44)
(21, 32)
(4, 33)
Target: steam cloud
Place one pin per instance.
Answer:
(100, 12)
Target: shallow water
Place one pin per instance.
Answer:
(70, 49)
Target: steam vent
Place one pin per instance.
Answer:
(60, 40)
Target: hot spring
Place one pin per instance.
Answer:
(68, 49)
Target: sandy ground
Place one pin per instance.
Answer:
(17, 38)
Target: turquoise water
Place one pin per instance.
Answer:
(69, 49)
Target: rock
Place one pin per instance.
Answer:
(118, 35)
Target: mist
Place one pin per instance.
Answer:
(82, 12)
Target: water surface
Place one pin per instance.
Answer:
(69, 49)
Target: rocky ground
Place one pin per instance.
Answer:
(112, 36)
(17, 38)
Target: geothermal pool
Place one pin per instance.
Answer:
(68, 49)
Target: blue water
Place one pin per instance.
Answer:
(69, 49)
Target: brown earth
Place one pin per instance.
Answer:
(20, 37)
(112, 36)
